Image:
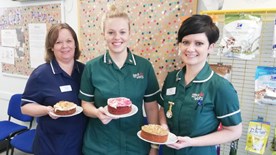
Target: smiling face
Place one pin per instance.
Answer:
(116, 34)
(194, 49)
(64, 47)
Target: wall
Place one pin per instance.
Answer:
(10, 85)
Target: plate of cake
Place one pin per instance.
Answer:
(66, 109)
(155, 134)
(120, 107)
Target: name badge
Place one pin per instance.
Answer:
(65, 88)
(171, 91)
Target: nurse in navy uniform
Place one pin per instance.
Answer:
(56, 80)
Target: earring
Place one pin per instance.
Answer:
(179, 51)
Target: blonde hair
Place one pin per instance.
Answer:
(114, 12)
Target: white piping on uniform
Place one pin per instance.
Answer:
(133, 59)
(177, 77)
(212, 73)
(233, 113)
(152, 94)
(105, 58)
(53, 70)
(78, 68)
(88, 95)
(161, 97)
(29, 101)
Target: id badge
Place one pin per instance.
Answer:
(65, 88)
(171, 91)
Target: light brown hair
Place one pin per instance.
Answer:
(52, 37)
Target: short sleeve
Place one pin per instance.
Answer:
(227, 104)
(86, 87)
(32, 92)
(153, 91)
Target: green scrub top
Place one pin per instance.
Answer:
(101, 80)
(199, 107)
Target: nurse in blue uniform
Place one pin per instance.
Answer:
(195, 99)
(56, 80)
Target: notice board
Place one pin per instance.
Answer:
(15, 24)
(154, 27)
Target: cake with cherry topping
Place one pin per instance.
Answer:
(119, 105)
(154, 133)
(65, 108)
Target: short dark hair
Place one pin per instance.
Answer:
(199, 24)
(52, 37)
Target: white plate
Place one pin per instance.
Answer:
(78, 111)
(133, 111)
(171, 139)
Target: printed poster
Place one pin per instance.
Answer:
(265, 85)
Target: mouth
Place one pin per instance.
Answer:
(117, 43)
(65, 51)
(191, 55)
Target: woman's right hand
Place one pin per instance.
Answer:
(50, 112)
(103, 117)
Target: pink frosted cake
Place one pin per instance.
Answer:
(119, 105)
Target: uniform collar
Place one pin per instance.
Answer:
(204, 75)
(130, 58)
(56, 68)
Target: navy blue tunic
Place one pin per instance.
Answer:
(62, 136)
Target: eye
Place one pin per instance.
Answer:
(185, 42)
(199, 43)
(69, 41)
(110, 32)
(57, 42)
(122, 32)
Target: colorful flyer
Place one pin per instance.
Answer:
(265, 85)
(274, 40)
(241, 35)
(257, 136)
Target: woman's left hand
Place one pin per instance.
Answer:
(182, 142)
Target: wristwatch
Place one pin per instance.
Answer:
(154, 146)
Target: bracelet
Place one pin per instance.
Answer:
(154, 146)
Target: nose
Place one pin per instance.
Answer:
(64, 44)
(117, 36)
(190, 47)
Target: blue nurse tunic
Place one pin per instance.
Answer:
(47, 85)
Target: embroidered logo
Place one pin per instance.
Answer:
(198, 97)
(138, 76)
(239, 26)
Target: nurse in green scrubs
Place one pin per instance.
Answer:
(118, 73)
(195, 100)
